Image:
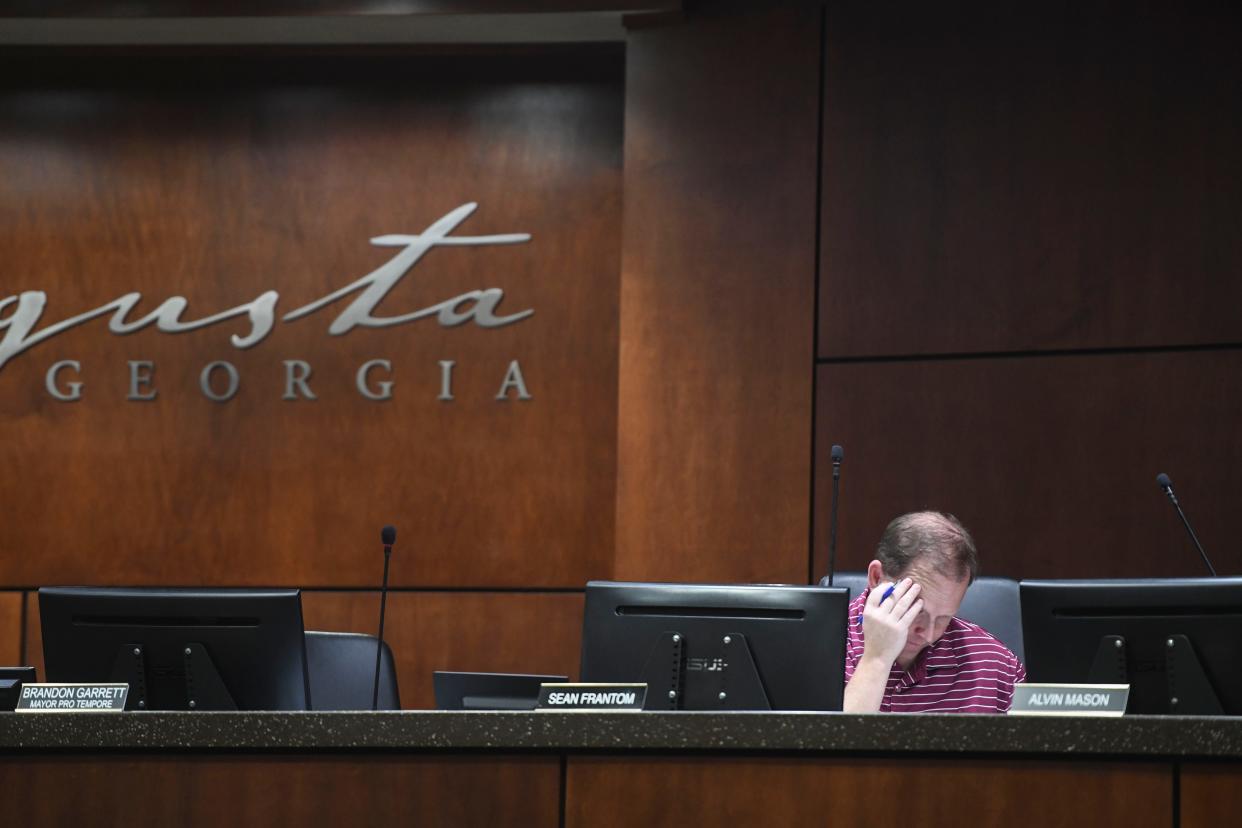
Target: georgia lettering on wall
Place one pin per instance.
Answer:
(219, 380)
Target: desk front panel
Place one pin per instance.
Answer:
(331, 789)
(702, 790)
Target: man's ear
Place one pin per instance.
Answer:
(875, 574)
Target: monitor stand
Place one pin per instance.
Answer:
(1109, 666)
(721, 675)
(1189, 691)
(130, 667)
(204, 689)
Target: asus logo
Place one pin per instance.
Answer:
(709, 665)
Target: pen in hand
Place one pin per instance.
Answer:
(887, 593)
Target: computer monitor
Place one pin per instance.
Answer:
(1174, 641)
(705, 647)
(180, 649)
(488, 691)
(11, 681)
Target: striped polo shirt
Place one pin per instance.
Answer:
(967, 671)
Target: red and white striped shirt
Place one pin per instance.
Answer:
(967, 671)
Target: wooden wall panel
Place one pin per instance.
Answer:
(605, 791)
(10, 628)
(717, 298)
(221, 178)
(481, 632)
(1050, 461)
(1210, 795)
(34, 635)
(500, 632)
(1002, 179)
(272, 790)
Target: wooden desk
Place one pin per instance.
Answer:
(580, 769)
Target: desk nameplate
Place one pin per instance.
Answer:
(1069, 699)
(72, 698)
(591, 696)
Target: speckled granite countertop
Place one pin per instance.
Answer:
(560, 732)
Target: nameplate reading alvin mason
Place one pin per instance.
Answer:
(1069, 699)
(72, 698)
(579, 696)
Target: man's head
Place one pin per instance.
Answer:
(936, 552)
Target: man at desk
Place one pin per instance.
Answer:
(906, 652)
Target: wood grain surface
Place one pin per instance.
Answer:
(1210, 795)
(999, 178)
(219, 180)
(278, 790)
(717, 298)
(33, 644)
(1049, 461)
(10, 629)
(606, 791)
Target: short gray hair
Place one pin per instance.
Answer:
(935, 540)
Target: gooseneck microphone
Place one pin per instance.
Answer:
(1163, 481)
(838, 454)
(388, 536)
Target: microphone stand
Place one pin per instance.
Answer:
(832, 526)
(379, 645)
(1193, 536)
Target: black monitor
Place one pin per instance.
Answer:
(704, 647)
(11, 681)
(179, 649)
(488, 691)
(1174, 641)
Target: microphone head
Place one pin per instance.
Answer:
(1163, 481)
(388, 535)
(838, 454)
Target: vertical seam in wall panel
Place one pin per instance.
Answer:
(621, 256)
(616, 413)
(22, 659)
(1177, 794)
(819, 207)
(564, 789)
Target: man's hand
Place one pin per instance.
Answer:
(886, 624)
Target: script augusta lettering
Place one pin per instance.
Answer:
(25, 310)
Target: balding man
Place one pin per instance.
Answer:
(906, 651)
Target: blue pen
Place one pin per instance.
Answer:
(887, 593)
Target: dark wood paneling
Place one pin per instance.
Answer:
(428, 631)
(1050, 461)
(221, 182)
(1052, 177)
(34, 635)
(262, 790)
(10, 628)
(717, 297)
(743, 792)
(1210, 795)
(482, 632)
